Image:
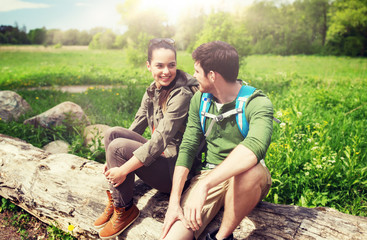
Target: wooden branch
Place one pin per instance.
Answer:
(64, 189)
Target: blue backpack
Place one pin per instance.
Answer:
(243, 95)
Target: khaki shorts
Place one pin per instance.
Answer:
(216, 196)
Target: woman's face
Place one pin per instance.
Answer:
(162, 66)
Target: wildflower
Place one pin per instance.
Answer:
(117, 94)
(307, 173)
(319, 166)
(314, 148)
(299, 114)
(37, 98)
(279, 114)
(309, 140)
(282, 125)
(70, 227)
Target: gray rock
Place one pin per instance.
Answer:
(12, 106)
(57, 146)
(66, 113)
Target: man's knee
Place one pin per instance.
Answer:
(255, 177)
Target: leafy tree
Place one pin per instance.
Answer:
(84, 38)
(347, 33)
(37, 36)
(120, 41)
(103, 40)
(13, 35)
(221, 26)
(136, 51)
(264, 22)
(94, 44)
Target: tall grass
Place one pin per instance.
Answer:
(318, 153)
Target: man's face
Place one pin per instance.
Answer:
(205, 84)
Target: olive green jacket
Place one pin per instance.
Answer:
(167, 126)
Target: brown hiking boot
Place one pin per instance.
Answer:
(120, 220)
(106, 215)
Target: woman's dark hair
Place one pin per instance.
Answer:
(166, 43)
(157, 43)
(219, 57)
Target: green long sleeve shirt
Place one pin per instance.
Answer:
(225, 135)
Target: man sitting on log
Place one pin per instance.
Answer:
(235, 122)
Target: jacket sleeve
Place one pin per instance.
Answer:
(193, 135)
(140, 122)
(174, 119)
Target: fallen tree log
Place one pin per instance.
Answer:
(63, 190)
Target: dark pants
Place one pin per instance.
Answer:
(120, 143)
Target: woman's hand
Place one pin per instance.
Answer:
(115, 176)
(104, 168)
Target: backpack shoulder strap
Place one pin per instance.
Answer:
(243, 95)
(206, 100)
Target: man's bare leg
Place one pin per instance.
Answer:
(242, 197)
(179, 232)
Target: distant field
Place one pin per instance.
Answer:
(318, 155)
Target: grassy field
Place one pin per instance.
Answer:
(318, 153)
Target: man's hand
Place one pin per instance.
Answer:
(194, 206)
(115, 176)
(174, 213)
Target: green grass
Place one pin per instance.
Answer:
(317, 156)
(66, 67)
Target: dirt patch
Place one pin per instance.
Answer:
(32, 229)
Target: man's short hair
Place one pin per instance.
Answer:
(218, 57)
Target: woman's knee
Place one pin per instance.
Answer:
(110, 134)
(118, 152)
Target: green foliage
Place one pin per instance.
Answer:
(327, 27)
(223, 27)
(37, 36)
(59, 67)
(348, 28)
(55, 233)
(103, 40)
(137, 50)
(318, 153)
(6, 205)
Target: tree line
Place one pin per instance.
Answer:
(332, 27)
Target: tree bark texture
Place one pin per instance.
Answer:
(63, 190)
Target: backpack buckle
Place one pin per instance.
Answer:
(219, 118)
